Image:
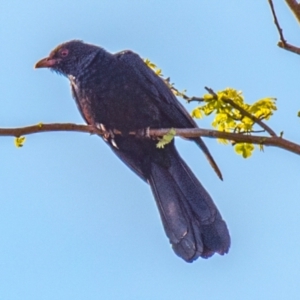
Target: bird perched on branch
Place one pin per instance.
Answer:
(119, 91)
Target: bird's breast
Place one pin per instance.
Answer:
(83, 101)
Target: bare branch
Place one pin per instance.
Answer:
(277, 23)
(183, 95)
(17, 132)
(274, 141)
(295, 7)
(289, 47)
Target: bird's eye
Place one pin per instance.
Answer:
(64, 52)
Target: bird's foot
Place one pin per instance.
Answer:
(108, 135)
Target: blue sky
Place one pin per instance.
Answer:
(75, 223)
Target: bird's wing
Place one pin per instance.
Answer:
(165, 99)
(158, 90)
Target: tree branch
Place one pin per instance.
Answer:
(280, 31)
(274, 141)
(17, 132)
(295, 8)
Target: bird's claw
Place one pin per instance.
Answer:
(108, 135)
(113, 140)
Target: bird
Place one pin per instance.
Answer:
(118, 91)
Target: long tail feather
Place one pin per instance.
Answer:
(191, 220)
(209, 157)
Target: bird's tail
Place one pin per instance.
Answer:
(209, 157)
(191, 220)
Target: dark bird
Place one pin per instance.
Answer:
(119, 91)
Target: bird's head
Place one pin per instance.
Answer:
(69, 58)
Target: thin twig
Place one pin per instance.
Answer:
(176, 92)
(251, 131)
(195, 99)
(191, 99)
(211, 91)
(244, 113)
(277, 23)
(295, 7)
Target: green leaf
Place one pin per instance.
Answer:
(150, 64)
(153, 66)
(223, 141)
(196, 113)
(244, 149)
(19, 141)
(158, 72)
(166, 139)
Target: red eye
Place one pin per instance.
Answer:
(64, 52)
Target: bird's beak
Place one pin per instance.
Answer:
(46, 63)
